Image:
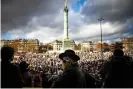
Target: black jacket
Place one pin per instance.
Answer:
(74, 77)
(10, 76)
(118, 73)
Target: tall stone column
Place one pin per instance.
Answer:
(66, 21)
(67, 42)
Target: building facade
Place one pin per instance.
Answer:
(22, 45)
(87, 46)
(57, 45)
(3, 42)
(127, 44)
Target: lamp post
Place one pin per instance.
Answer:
(101, 19)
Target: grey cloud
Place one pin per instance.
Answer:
(111, 37)
(18, 13)
(119, 31)
(129, 27)
(111, 10)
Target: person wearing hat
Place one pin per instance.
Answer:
(10, 73)
(69, 59)
(72, 76)
(118, 71)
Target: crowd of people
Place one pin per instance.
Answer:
(43, 69)
(89, 61)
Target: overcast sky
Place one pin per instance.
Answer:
(43, 19)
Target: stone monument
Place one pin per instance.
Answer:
(67, 42)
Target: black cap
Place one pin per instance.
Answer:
(69, 53)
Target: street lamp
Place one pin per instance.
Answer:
(100, 19)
